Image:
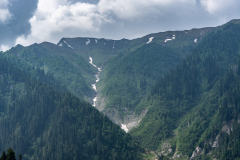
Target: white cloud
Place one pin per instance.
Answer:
(3, 3)
(55, 19)
(4, 15)
(62, 18)
(4, 12)
(4, 48)
(117, 19)
(220, 6)
(131, 9)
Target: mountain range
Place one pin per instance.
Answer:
(175, 93)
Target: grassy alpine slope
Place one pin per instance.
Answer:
(71, 69)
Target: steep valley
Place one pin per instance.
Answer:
(120, 62)
(175, 93)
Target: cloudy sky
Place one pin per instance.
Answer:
(34, 21)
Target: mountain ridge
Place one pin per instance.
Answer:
(175, 92)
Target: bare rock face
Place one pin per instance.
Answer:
(177, 156)
(215, 143)
(188, 124)
(227, 128)
(198, 151)
(133, 121)
(166, 149)
(193, 155)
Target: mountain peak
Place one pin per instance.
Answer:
(235, 21)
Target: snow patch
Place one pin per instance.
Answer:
(91, 62)
(94, 101)
(195, 40)
(124, 127)
(174, 37)
(95, 40)
(150, 40)
(94, 87)
(97, 80)
(60, 45)
(104, 44)
(167, 40)
(113, 44)
(68, 44)
(87, 42)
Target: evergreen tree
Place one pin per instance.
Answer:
(11, 154)
(4, 156)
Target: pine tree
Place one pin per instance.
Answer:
(3, 157)
(11, 154)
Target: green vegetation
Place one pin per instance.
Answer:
(130, 77)
(69, 68)
(186, 104)
(47, 124)
(10, 155)
(192, 105)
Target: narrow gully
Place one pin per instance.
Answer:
(97, 80)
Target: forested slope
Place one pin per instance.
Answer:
(69, 68)
(68, 61)
(130, 77)
(196, 102)
(42, 123)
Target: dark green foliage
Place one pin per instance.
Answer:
(187, 100)
(4, 156)
(11, 154)
(229, 113)
(65, 65)
(130, 77)
(46, 124)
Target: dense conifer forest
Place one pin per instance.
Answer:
(193, 102)
(130, 77)
(42, 123)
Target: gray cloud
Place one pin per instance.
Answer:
(114, 19)
(85, 1)
(18, 24)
